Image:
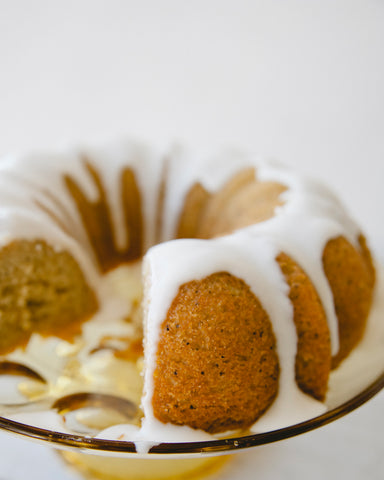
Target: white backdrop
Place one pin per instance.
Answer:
(297, 80)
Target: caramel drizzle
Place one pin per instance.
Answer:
(97, 219)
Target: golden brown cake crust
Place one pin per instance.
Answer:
(97, 218)
(194, 206)
(217, 368)
(350, 274)
(366, 254)
(241, 202)
(313, 358)
(41, 290)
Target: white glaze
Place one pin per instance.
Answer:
(28, 179)
(248, 253)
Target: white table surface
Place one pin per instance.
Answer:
(301, 81)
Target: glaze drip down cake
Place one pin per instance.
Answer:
(256, 281)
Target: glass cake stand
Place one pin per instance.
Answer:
(114, 459)
(356, 381)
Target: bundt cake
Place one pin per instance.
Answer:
(256, 281)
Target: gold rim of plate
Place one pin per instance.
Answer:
(208, 447)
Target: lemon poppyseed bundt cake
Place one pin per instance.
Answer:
(256, 281)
